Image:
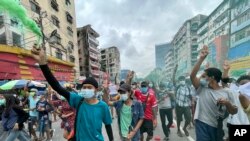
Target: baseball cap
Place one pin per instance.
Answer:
(92, 81)
(144, 84)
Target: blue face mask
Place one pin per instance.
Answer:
(144, 90)
(87, 93)
(2, 102)
(204, 82)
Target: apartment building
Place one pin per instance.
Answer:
(169, 64)
(57, 21)
(110, 60)
(215, 33)
(88, 52)
(185, 45)
(160, 51)
(239, 51)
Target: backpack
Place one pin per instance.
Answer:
(73, 138)
(9, 123)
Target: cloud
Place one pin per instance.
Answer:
(136, 26)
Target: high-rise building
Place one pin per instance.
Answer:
(169, 64)
(88, 52)
(226, 32)
(57, 21)
(110, 61)
(185, 45)
(215, 32)
(160, 52)
(239, 51)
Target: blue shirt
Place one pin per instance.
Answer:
(137, 114)
(90, 118)
(32, 105)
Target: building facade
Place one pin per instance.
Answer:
(160, 51)
(239, 51)
(88, 52)
(226, 31)
(185, 45)
(215, 33)
(61, 45)
(169, 64)
(110, 61)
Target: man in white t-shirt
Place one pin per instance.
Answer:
(213, 103)
(113, 96)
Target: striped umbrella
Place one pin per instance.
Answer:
(16, 84)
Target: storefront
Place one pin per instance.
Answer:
(17, 63)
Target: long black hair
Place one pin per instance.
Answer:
(11, 102)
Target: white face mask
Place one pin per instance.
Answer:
(87, 93)
(124, 97)
(182, 82)
(245, 89)
(204, 82)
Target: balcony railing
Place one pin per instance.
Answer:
(95, 72)
(93, 39)
(94, 64)
(93, 48)
(94, 56)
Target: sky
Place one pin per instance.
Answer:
(136, 26)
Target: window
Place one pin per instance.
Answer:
(35, 7)
(67, 2)
(3, 39)
(1, 21)
(14, 22)
(59, 54)
(16, 39)
(55, 21)
(70, 31)
(58, 38)
(71, 45)
(69, 17)
(54, 5)
(80, 68)
(72, 59)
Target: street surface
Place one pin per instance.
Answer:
(158, 132)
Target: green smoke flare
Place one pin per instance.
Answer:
(15, 9)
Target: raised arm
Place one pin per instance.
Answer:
(226, 68)
(194, 79)
(130, 77)
(40, 56)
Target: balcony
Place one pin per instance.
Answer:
(93, 48)
(93, 39)
(95, 72)
(218, 25)
(94, 64)
(93, 56)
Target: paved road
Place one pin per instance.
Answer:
(158, 132)
(58, 135)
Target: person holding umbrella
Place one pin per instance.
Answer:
(90, 112)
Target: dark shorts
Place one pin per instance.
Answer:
(180, 111)
(32, 121)
(147, 126)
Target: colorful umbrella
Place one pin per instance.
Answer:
(16, 84)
